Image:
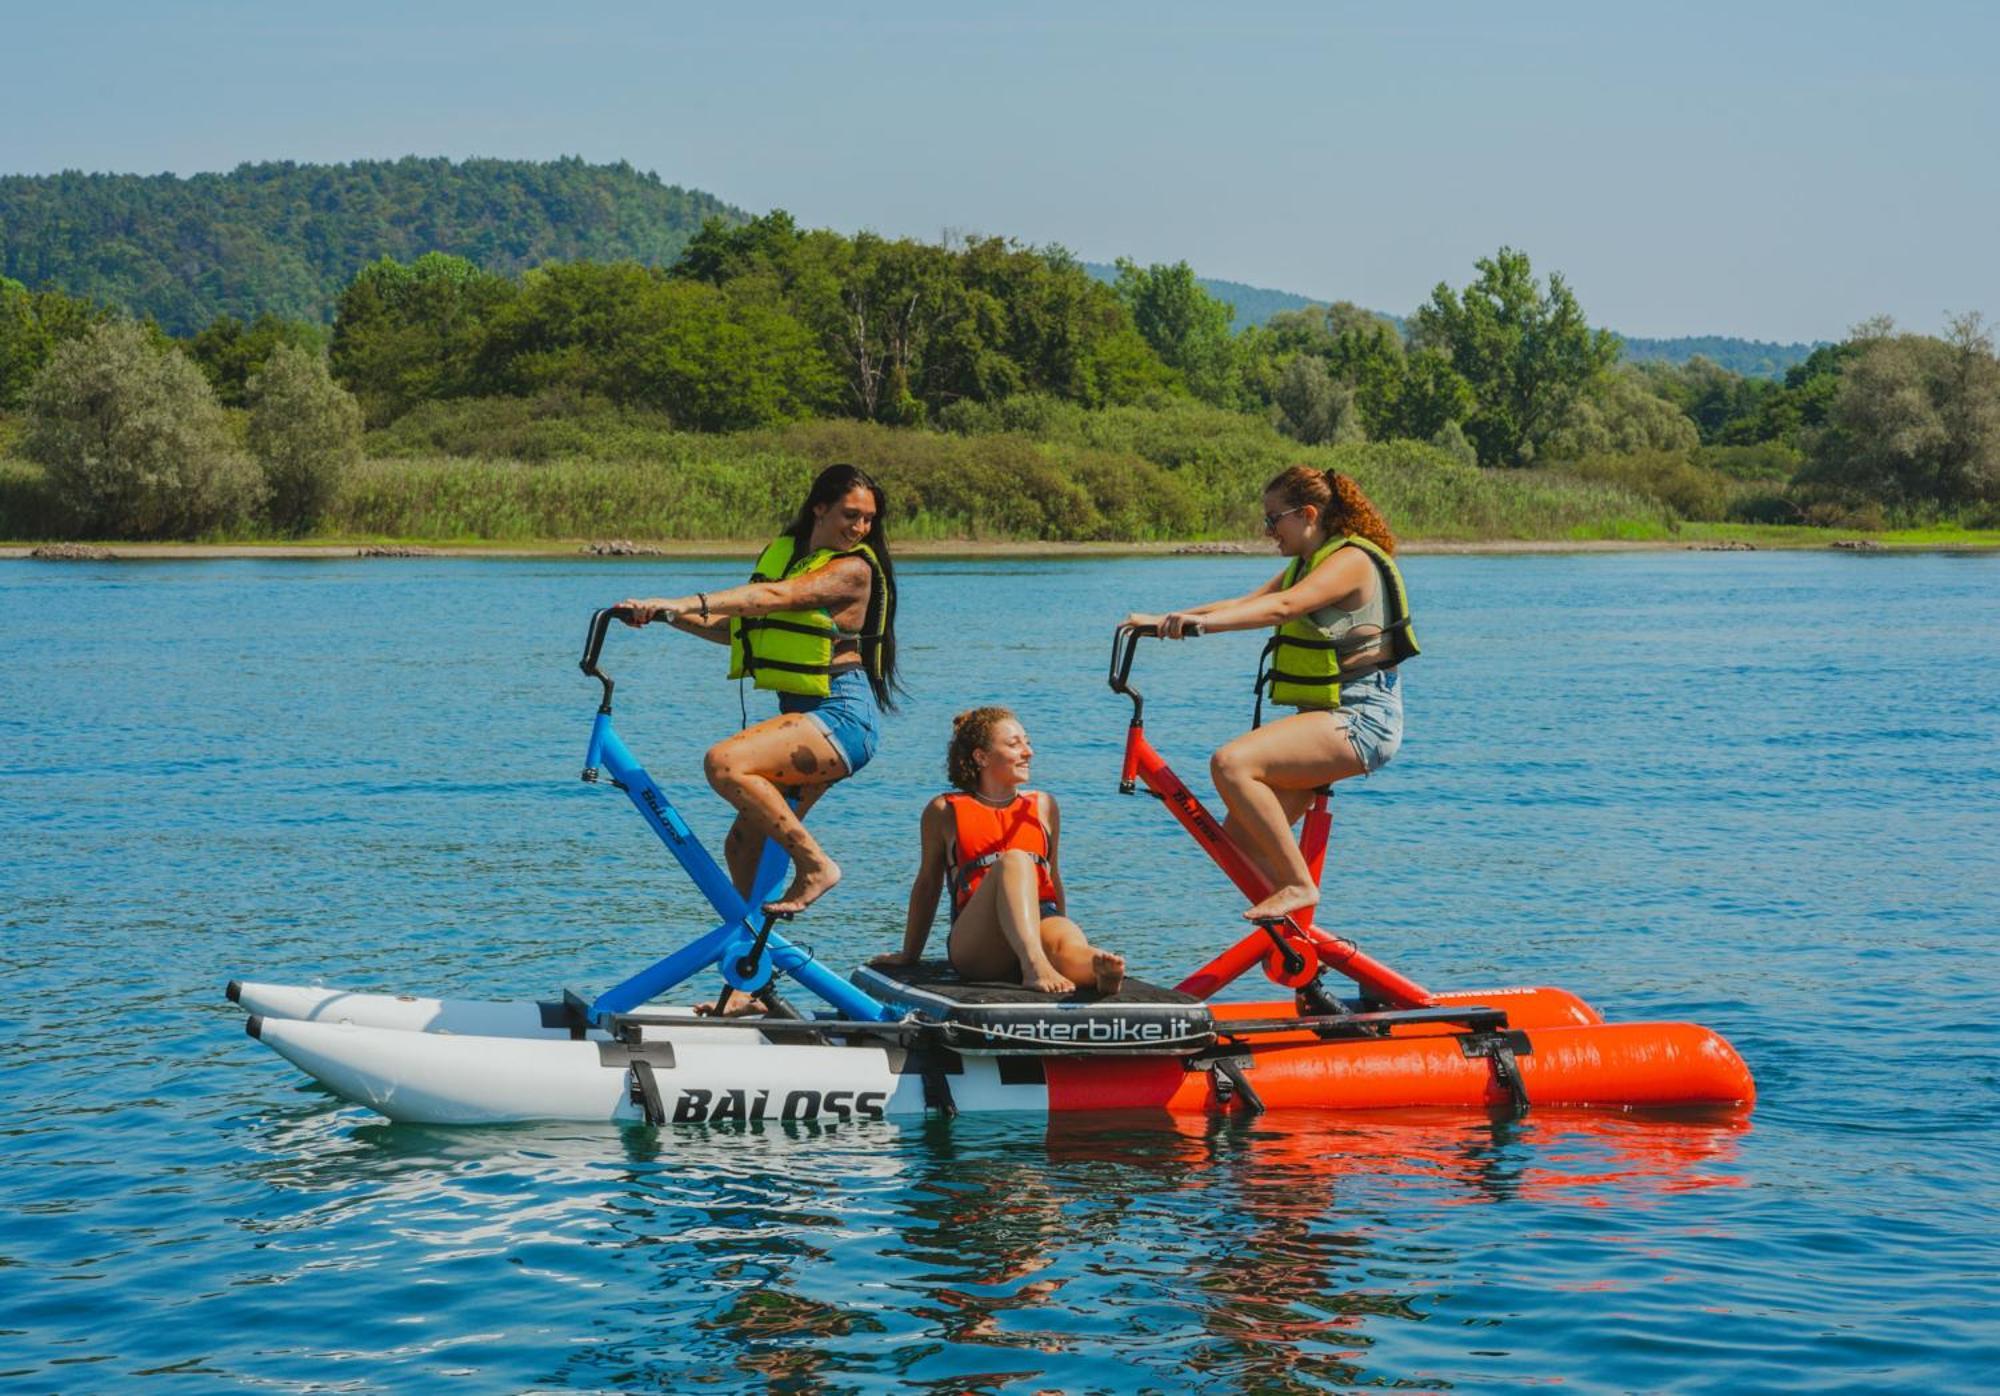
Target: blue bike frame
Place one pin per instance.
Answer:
(749, 956)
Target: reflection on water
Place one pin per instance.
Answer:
(1266, 1254)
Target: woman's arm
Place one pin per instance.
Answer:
(839, 583)
(715, 628)
(1341, 578)
(1176, 631)
(1052, 821)
(924, 889)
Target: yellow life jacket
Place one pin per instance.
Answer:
(792, 651)
(1303, 663)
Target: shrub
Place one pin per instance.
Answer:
(306, 430)
(1668, 476)
(1766, 460)
(1312, 407)
(133, 440)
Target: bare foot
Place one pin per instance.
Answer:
(737, 1005)
(1110, 971)
(1046, 981)
(809, 884)
(1285, 901)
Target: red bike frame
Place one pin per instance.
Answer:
(1306, 943)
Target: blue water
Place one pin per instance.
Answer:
(1760, 792)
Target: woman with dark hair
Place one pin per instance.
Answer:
(816, 624)
(1342, 624)
(993, 844)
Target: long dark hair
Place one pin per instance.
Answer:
(832, 486)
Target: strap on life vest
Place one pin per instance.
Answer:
(1396, 632)
(1267, 676)
(750, 653)
(958, 872)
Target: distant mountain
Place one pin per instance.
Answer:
(1254, 304)
(287, 238)
(1753, 358)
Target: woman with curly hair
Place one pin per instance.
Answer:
(993, 845)
(1342, 624)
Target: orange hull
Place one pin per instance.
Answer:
(1644, 1065)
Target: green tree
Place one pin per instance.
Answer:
(305, 430)
(1433, 397)
(1313, 408)
(1187, 327)
(1803, 404)
(408, 334)
(231, 353)
(1619, 414)
(24, 344)
(133, 440)
(32, 324)
(626, 333)
(1526, 353)
(1723, 405)
(1915, 420)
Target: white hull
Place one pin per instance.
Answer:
(395, 1055)
(405, 1012)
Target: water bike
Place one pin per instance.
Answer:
(917, 1040)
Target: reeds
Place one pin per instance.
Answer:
(513, 471)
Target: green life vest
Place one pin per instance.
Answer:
(1304, 662)
(792, 651)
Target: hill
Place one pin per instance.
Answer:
(1753, 358)
(286, 238)
(1254, 304)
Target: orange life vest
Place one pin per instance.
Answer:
(981, 833)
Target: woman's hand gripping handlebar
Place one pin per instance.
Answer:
(633, 613)
(1124, 648)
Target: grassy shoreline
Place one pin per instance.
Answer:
(491, 478)
(1690, 537)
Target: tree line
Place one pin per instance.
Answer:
(761, 323)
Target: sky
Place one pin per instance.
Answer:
(1775, 171)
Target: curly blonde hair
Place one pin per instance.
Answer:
(971, 730)
(1343, 508)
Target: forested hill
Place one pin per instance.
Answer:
(1254, 304)
(286, 239)
(1753, 358)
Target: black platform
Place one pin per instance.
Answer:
(987, 1017)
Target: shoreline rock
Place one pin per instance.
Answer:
(72, 552)
(1215, 549)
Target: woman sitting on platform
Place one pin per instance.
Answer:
(993, 845)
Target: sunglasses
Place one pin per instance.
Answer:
(1271, 520)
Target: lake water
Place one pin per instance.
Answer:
(1756, 791)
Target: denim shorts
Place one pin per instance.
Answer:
(849, 715)
(1372, 709)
